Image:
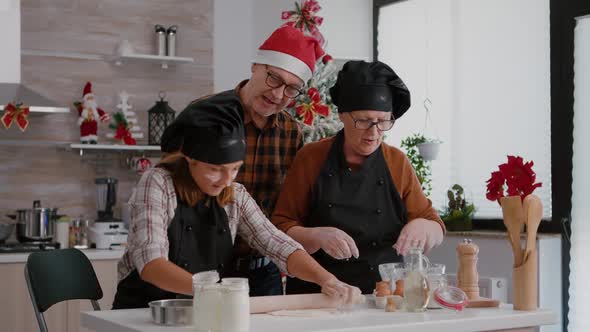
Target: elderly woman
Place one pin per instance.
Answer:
(187, 212)
(353, 201)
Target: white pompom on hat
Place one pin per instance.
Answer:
(289, 49)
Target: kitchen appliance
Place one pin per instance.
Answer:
(6, 228)
(107, 231)
(36, 224)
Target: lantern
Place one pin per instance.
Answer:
(159, 117)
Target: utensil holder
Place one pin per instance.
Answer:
(525, 284)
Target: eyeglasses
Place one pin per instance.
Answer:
(382, 125)
(274, 81)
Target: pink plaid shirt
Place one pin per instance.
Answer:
(152, 210)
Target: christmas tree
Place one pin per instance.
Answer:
(314, 108)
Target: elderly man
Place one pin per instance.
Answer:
(283, 65)
(353, 201)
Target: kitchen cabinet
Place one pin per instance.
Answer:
(16, 310)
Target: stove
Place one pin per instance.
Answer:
(16, 247)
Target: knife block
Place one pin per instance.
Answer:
(525, 284)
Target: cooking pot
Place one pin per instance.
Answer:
(36, 224)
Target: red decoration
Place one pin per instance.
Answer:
(124, 135)
(308, 110)
(16, 113)
(517, 175)
(327, 58)
(304, 18)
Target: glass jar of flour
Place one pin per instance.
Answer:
(206, 301)
(235, 305)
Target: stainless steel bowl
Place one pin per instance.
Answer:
(172, 312)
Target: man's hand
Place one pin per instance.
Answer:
(348, 294)
(421, 233)
(335, 242)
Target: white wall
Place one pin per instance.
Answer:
(348, 28)
(232, 42)
(10, 27)
(241, 26)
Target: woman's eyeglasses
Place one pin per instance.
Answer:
(382, 125)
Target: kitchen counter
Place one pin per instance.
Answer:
(92, 254)
(364, 319)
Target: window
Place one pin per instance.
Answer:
(485, 67)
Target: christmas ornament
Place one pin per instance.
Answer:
(129, 119)
(308, 110)
(304, 18)
(121, 127)
(316, 98)
(89, 113)
(16, 113)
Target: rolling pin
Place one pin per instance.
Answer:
(262, 304)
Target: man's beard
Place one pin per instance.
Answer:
(90, 104)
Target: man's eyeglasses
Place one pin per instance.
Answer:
(382, 125)
(274, 81)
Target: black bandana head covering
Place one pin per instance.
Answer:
(370, 86)
(213, 129)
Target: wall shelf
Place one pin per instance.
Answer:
(163, 60)
(113, 148)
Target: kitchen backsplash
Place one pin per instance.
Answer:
(53, 33)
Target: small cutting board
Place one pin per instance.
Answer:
(483, 302)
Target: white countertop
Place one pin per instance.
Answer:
(374, 320)
(92, 254)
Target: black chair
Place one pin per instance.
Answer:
(58, 275)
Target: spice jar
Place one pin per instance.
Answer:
(79, 233)
(235, 305)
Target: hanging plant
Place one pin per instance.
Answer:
(420, 165)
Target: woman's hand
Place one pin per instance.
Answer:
(420, 233)
(348, 294)
(335, 242)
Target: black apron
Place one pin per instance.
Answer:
(365, 204)
(199, 240)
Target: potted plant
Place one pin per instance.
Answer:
(458, 213)
(419, 163)
(429, 148)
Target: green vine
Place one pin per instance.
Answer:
(421, 167)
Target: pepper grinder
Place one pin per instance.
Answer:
(467, 276)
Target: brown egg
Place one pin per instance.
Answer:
(399, 288)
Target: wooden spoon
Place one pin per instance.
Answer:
(534, 213)
(513, 219)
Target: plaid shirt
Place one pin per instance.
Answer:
(152, 211)
(269, 154)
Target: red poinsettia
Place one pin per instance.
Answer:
(308, 110)
(518, 177)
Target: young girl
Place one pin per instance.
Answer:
(187, 211)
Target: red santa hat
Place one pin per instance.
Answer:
(87, 90)
(289, 49)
